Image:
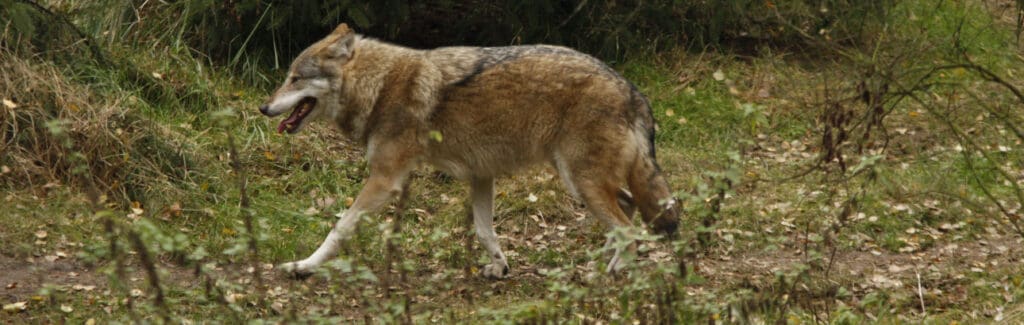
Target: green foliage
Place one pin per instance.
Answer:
(271, 32)
(766, 264)
(19, 16)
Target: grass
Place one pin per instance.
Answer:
(772, 256)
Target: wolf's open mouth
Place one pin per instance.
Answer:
(292, 123)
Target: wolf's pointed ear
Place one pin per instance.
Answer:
(342, 29)
(341, 48)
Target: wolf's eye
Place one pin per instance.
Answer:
(295, 79)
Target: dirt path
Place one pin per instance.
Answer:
(945, 272)
(22, 278)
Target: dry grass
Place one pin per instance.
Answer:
(55, 131)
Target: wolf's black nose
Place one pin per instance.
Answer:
(265, 109)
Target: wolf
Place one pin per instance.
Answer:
(477, 113)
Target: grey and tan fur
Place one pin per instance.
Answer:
(498, 110)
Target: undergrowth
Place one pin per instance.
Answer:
(878, 182)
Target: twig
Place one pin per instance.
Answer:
(215, 292)
(704, 238)
(90, 43)
(968, 142)
(391, 247)
(468, 222)
(250, 227)
(152, 276)
(573, 14)
(920, 293)
(136, 76)
(119, 268)
(393, 250)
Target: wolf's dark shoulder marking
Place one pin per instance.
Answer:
(486, 58)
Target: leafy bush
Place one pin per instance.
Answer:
(271, 32)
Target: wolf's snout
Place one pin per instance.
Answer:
(265, 109)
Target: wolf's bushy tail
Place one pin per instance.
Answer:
(650, 190)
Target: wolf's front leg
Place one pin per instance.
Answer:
(619, 259)
(385, 182)
(342, 230)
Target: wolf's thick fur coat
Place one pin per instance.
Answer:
(476, 114)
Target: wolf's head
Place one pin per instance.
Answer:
(314, 76)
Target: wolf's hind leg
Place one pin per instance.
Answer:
(482, 194)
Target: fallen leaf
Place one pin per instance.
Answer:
(531, 198)
(16, 307)
(12, 285)
(66, 308)
(718, 75)
(312, 211)
(233, 297)
(325, 202)
(41, 234)
(10, 104)
(885, 282)
(79, 287)
(174, 210)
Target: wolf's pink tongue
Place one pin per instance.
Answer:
(292, 119)
(288, 121)
(280, 127)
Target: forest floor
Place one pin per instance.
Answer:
(780, 242)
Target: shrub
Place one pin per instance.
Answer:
(271, 32)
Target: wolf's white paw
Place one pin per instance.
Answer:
(496, 270)
(295, 269)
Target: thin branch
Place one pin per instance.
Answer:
(247, 216)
